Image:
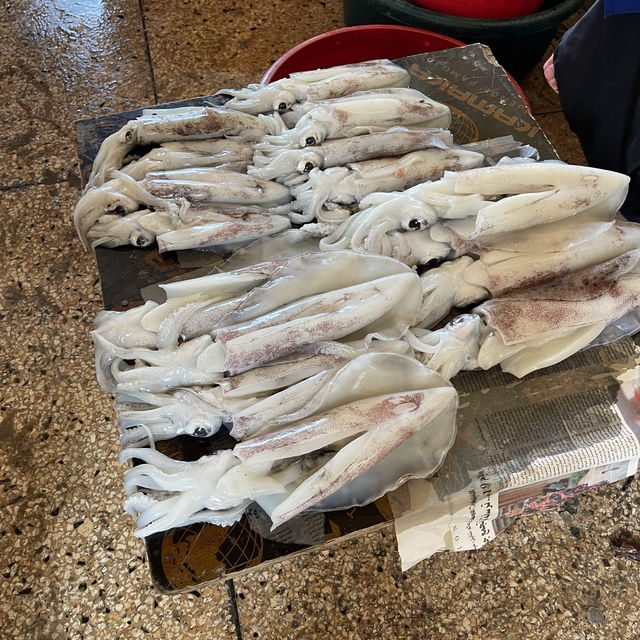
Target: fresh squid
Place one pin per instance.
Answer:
(193, 207)
(193, 227)
(214, 185)
(549, 252)
(359, 113)
(537, 327)
(319, 84)
(379, 420)
(331, 195)
(499, 204)
(157, 126)
(232, 153)
(349, 297)
(289, 165)
(539, 193)
(248, 403)
(244, 401)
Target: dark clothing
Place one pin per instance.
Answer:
(597, 68)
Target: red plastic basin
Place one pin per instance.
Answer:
(360, 43)
(357, 44)
(482, 8)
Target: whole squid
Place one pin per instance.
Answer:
(479, 207)
(289, 165)
(192, 207)
(550, 252)
(307, 300)
(234, 153)
(359, 113)
(331, 195)
(247, 403)
(379, 420)
(157, 126)
(536, 327)
(318, 84)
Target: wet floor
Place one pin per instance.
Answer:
(70, 565)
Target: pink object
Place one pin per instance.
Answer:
(549, 74)
(482, 8)
(360, 43)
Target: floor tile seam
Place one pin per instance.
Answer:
(233, 607)
(148, 51)
(25, 185)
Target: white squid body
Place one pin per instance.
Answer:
(245, 400)
(380, 420)
(537, 327)
(249, 402)
(326, 195)
(156, 126)
(224, 204)
(555, 249)
(232, 153)
(359, 113)
(539, 193)
(214, 185)
(289, 165)
(153, 326)
(217, 226)
(458, 213)
(318, 84)
(308, 300)
(297, 389)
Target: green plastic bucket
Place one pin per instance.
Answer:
(517, 43)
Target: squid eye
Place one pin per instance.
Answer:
(120, 210)
(141, 240)
(201, 432)
(434, 262)
(414, 223)
(308, 166)
(282, 107)
(309, 141)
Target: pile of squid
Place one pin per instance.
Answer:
(303, 149)
(319, 347)
(323, 370)
(303, 361)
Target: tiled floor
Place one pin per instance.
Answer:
(70, 566)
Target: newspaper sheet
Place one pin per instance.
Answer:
(525, 446)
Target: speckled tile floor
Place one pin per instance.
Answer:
(70, 565)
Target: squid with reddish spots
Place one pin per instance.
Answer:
(536, 327)
(317, 84)
(378, 421)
